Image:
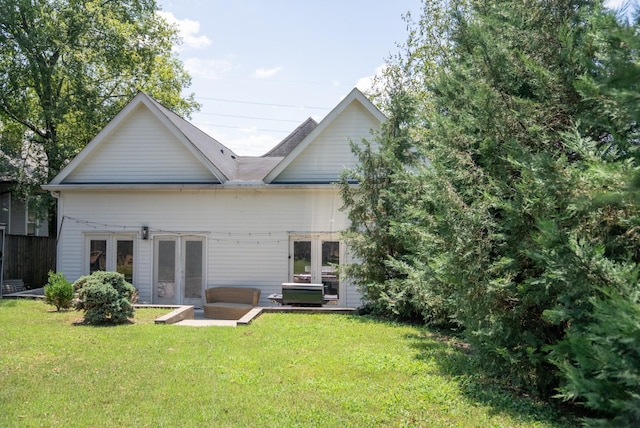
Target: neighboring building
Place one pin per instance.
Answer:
(15, 215)
(154, 197)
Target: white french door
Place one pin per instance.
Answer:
(179, 270)
(111, 252)
(315, 258)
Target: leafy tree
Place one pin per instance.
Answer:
(385, 205)
(68, 66)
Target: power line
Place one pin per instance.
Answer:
(250, 117)
(262, 104)
(242, 127)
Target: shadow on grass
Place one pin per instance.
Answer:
(456, 359)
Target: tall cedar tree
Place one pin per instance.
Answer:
(526, 217)
(375, 195)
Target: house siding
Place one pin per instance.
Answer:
(141, 150)
(330, 153)
(18, 217)
(246, 229)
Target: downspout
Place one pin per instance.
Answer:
(60, 219)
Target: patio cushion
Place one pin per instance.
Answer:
(230, 303)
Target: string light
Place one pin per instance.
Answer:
(232, 237)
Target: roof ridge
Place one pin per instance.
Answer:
(290, 142)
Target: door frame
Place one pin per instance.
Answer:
(180, 259)
(316, 239)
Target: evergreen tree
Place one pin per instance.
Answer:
(375, 196)
(524, 221)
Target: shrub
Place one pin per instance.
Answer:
(601, 361)
(105, 297)
(58, 291)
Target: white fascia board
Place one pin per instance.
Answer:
(184, 140)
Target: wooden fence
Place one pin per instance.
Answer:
(29, 258)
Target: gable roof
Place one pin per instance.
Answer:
(216, 157)
(354, 96)
(224, 164)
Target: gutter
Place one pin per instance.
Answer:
(232, 185)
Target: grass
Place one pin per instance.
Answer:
(282, 370)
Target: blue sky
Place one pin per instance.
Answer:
(260, 68)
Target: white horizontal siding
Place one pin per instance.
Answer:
(329, 154)
(353, 297)
(143, 265)
(141, 150)
(246, 230)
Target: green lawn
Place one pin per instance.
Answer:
(282, 370)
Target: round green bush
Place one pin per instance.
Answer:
(105, 297)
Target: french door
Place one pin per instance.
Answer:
(179, 270)
(315, 258)
(112, 252)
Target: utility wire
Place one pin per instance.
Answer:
(250, 117)
(262, 104)
(242, 127)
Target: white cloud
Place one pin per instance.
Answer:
(366, 84)
(265, 73)
(243, 142)
(251, 145)
(187, 30)
(210, 69)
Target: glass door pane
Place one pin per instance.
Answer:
(165, 268)
(124, 259)
(97, 255)
(193, 272)
(302, 261)
(330, 262)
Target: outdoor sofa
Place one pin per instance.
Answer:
(230, 303)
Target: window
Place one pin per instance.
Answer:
(112, 252)
(5, 208)
(97, 255)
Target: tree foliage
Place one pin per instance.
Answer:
(525, 218)
(68, 66)
(377, 205)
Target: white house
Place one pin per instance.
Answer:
(176, 211)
